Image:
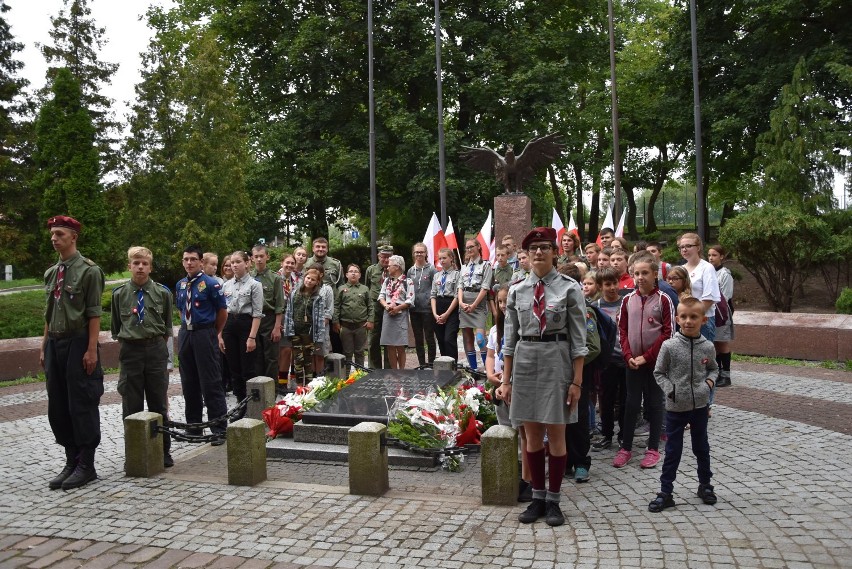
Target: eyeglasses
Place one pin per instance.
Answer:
(543, 247)
(674, 279)
(687, 246)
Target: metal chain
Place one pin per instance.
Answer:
(171, 427)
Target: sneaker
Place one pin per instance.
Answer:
(219, 441)
(705, 492)
(661, 502)
(581, 474)
(524, 491)
(602, 444)
(554, 515)
(622, 457)
(652, 457)
(535, 511)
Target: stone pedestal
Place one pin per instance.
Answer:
(335, 363)
(444, 363)
(512, 216)
(246, 452)
(499, 465)
(143, 446)
(266, 388)
(368, 460)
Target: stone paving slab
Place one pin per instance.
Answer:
(784, 486)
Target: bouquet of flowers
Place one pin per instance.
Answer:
(281, 417)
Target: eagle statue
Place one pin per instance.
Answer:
(512, 171)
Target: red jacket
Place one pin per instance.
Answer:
(626, 281)
(644, 323)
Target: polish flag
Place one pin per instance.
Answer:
(619, 231)
(434, 240)
(484, 237)
(556, 223)
(450, 234)
(572, 226)
(607, 223)
(491, 251)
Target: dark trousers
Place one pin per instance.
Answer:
(144, 377)
(423, 327)
(241, 363)
(577, 437)
(675, 423)
(201, 376)
(447, 334)
(376, 359)
(266, 352)
(612, 395)
(73, 395)
(642, 385)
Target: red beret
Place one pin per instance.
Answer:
(64, 221)
(539, 234)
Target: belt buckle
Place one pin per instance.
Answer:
(190, 327)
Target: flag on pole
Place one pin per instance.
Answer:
(450, 234)
(572, 227)
(491, 251)
(619, 231)
(484, 237)
(434, 240)
(607, 223)
(556, 223)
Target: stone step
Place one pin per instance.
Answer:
(321, 434)
(289, 449)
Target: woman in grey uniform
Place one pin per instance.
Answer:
(474, 283)
(545, 347)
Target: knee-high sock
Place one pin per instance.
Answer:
(471, 359)
(724, 361)
(535, 461)
(556, 472)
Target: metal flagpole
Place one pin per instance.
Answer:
(442, 174)
(616, 151)
(701, 212)
(374, 233)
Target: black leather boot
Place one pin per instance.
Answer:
(70, 465)
(85, 471)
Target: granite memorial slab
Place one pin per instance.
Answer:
(372, 396)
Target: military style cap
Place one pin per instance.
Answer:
(386, 249)
(64, 221)
(539, 234)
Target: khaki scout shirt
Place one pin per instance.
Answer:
(503, 275)
(352, 304)
(80, 298)
(374, 277)
(273, 291)
(158, 312)
(332, 267)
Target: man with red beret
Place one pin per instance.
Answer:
(69, 354)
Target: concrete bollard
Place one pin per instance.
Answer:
(266, 387)
(499, 465)
(368, 459)
(143, 445)
(246, 452)
(334, 362)
(444, 363)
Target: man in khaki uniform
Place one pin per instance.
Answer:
(269, 334)
(375, 276)
(69, 354)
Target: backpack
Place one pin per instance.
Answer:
(608, 332)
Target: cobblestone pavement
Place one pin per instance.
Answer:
(783, 475)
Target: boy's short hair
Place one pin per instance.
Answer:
(618, 253)
(508, 238)
(501, 248)
(350, 265)
(194, 250)
(319, 240)
(137, 252)
(654, 244)
(607, 231)
(606, 275)
(592, 245)
(571, 270)
(644, 257)
(607, 251)
(690, 303)
(258, 248)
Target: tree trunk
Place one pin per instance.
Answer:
(660, 177)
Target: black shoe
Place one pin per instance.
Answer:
(724, 382)
(602, 444)
(554, 515)
(219, 441)
(534, 512)
(168, 461)
(82, 475)
(661, 502)
(56, 483)
(193, 433)
(524, 491)
(705, 492)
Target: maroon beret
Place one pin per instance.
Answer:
(539, 234)
(64, 221)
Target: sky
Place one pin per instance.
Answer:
(126, 37)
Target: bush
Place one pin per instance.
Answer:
(778, 246)
(844, 302)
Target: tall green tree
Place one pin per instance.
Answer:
(66, 163)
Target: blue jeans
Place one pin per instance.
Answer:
(675, 423)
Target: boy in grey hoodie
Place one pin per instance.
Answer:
(684, 371)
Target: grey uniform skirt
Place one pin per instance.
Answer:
(541, 374)
(725, 333)
(394, 329)
(475, 319)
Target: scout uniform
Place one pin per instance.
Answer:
(304, 324)
(422, 322)
(142, 324)
(444, 287)
(244, 298)
(352, 309)
(475, 276)
(333, 269)
(273, 304)
(503, 275)
(374, 276)
(73, 288)
(199, 299)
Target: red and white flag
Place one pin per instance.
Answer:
(556, 223)
(491, 251)
(484, 237)
(607, 223)
(450, 234)
(434, 240)
(572, 226)
(619, 231)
